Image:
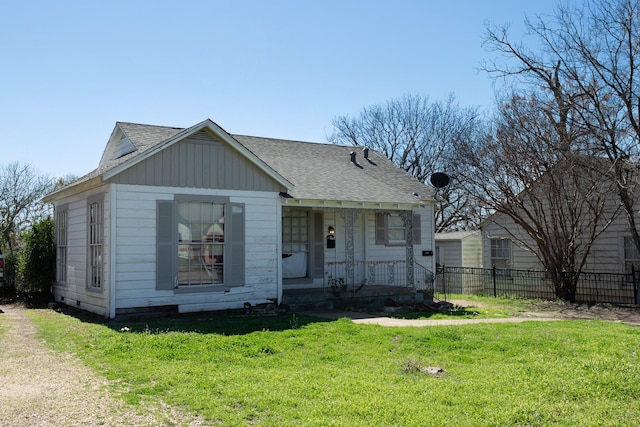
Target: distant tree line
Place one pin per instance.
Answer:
(26, 232)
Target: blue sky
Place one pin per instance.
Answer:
(273, 68)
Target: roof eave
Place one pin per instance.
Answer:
(72, 189)
(343, 204)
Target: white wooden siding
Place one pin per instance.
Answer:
(371, 251)
(460, 249)
(74, 291)
(136, 259)
(606, 253)
(472, 250)
(450, 253)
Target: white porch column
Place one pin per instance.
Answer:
(349, 216)
(407, 218)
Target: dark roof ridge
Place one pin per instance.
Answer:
(148, 125)
(299, 141)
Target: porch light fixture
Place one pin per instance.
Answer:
(331, 237)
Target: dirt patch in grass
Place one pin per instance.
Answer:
(562, 310)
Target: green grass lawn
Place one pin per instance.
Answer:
(295, 370)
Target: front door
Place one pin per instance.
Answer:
(302, 246)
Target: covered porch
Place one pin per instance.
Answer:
(337, 253)
(387, 282)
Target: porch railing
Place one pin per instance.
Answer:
(386, 273)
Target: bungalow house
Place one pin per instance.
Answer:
(574, 210)
(575, 203)
(197, 219)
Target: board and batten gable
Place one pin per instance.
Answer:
(74, 291)
(136, 250)
(199, 161)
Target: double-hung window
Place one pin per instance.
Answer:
(501, 253)
(391, 229)
(95, 239)
(631, 258)
(61, 244)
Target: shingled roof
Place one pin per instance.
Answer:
(322, 172)
(326, 172)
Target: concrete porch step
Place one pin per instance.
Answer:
(371, 296)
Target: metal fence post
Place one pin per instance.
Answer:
(635, 284)
(495, 291)
(444, 281)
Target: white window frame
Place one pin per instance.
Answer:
(296, 237)
(95, 243)
(631, 257)
(394, 224)
(500, 250)
(205, 255)
(62, 223)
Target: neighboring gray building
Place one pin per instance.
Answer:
(197, 219)
(459, 249)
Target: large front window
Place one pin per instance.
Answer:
(201, 243)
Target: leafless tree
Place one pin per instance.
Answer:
(419, 136)
(544, 190)
(585, 57)
(21, 191)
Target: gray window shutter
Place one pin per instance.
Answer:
(381, 229)
(237, 249)
(417, 229)
(165, 255)
(317, 267)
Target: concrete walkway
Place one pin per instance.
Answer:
(365, 318)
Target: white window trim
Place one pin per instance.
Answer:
(95, 245)
(62, 236)
(387, 241)
(226, 267)
(506, 259)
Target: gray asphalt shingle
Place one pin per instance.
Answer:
(318, 171)
(325, 172)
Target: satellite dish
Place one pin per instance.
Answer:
(439, 179)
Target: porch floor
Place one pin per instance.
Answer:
(369, 296)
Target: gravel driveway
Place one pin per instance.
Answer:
(56, 389)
